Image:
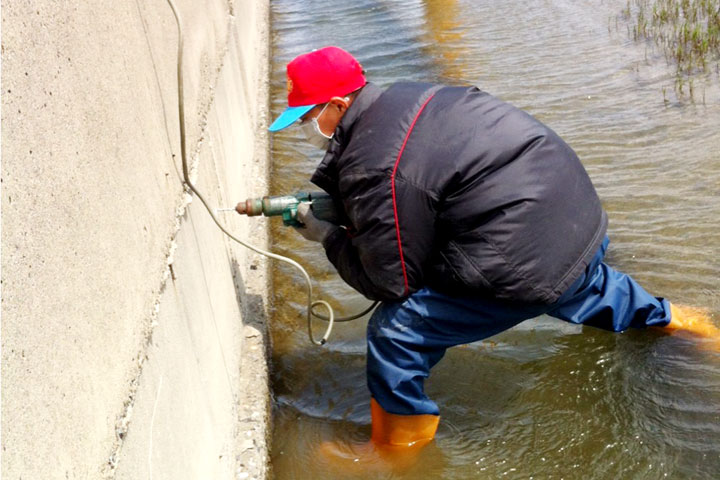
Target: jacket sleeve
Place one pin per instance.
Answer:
(392, 234)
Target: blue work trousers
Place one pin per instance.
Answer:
(406, 339)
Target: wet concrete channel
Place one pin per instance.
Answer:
(545, 399)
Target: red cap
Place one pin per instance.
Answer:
(316, 77)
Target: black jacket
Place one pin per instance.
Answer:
(451, 188)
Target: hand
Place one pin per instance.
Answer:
(313, 229)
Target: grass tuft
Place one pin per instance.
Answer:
(687, 32)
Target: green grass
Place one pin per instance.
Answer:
(687, 32)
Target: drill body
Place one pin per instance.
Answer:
(321, 204)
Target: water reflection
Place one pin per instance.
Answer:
(546, 399)
(446, 46)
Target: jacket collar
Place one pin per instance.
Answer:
(362, 102)
(325, 175)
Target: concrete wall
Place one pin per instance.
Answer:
(115, 365)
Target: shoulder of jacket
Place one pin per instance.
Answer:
(410, 88)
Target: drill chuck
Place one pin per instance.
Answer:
(250, 207)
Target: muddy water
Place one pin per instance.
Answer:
(545, 399)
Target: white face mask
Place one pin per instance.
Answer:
(314, 135)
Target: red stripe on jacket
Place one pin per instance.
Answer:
(392, 185)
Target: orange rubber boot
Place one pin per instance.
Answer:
(394, 446)
(694, 321)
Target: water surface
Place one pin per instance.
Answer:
(545, 399)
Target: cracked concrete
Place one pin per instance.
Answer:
(133, 332)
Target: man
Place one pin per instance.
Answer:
(465, 216)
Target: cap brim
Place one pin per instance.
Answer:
(289, 116)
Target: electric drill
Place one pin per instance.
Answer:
(286, 205)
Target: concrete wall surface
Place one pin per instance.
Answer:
(133, 334)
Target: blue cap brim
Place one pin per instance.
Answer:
(289, 116)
